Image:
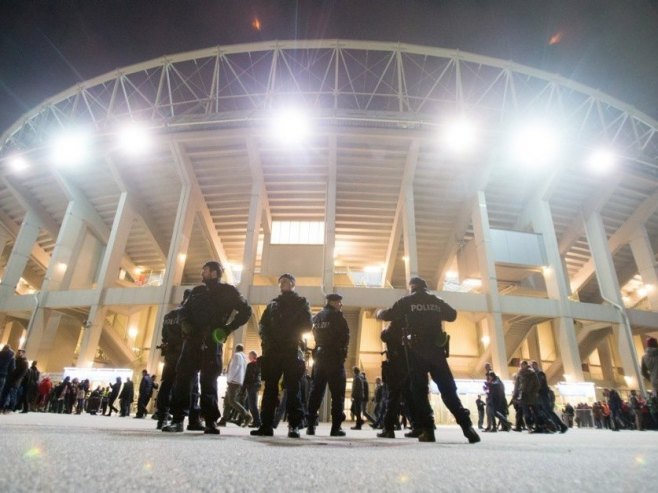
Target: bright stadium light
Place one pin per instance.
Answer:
(536, 144)
(290, 126)
(601, 161)
(18, 163)
(134, 139)
(71, 147)
(460, 136)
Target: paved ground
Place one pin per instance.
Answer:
(45, 452)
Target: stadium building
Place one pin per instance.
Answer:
(527, 200)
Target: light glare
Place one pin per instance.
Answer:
(291, 126)
(536, 144)
(70, 148)
(601, 161)
(134, 139)
(461, 136)
(18, 163)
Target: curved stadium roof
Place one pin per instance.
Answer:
(377, 110)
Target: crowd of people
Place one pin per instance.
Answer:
(417, 349)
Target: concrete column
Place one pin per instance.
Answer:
(20, 254)
(180, 240)
(558, 289)
(605, 358)
(251, 240)
(409, 232)
(110, 265)
(5, 330)
(533, 345)
(330, 221)
(42, 328)
(609, 287)
(490, 286)
(645, 259)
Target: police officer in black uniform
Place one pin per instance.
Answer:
(395, 373)
(205, 323)
(281, 330)
(170, 347)
(332, 336)
(422, 314)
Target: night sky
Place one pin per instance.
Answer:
(47, 46)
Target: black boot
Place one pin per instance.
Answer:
(263, 431)
(336, 431)
(470, 433)
(211, 428)
(173, 428)
(386, 434)
(310, 430)
(414, 433)
(293, 432)
(427, 435)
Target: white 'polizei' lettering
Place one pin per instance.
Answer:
(418, 307)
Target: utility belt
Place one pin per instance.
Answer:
(321, 352)
(420, 340)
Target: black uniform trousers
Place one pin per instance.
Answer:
(166, 385)
(399, 389)
(428, 358)
(328, 371)
(206, 358)
(273, 367)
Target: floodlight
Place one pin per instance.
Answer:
(134, 139)
(460, 136)
(601, 161)
(18, 163)
(535, 144)
(132, 332)
(291, 126)
(485, 340)
(71, 147)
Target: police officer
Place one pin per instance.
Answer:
(332, 336)
(170, 347)
(281, 329)
(422, 314)
(205, 323)
(395, 372)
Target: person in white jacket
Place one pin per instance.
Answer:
(235, 378)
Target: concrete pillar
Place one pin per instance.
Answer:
(533, 345)
(645, 259)
(409, 233)
(180, 240)
(43, 327)
(558, 289)
(490, 286)
(330, 221)
(605, 358)
(110, 265)
(609, 287)
(20, 254)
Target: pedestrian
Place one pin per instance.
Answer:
(480, 406)
(7, 365)
(145, 391)
(251, 386)
(235, 373)
(650, 363)
(114, 394)
(126, 398)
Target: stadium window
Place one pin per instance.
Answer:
(297, 233)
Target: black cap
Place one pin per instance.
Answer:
(290, 277)
(333, 297)
(418, 281)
